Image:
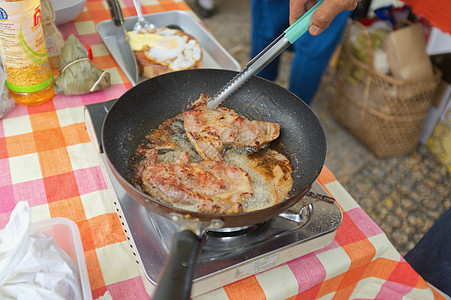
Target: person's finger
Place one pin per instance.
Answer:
(298, 8)
(326, 12)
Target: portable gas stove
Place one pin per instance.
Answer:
(229, 254)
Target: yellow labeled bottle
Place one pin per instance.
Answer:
(29, 76)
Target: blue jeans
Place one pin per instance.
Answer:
(311, 54)
(431, 256)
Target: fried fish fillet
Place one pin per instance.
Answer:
(210, 129)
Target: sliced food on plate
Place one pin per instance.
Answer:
(165, 50)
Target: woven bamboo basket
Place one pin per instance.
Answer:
(384, 113)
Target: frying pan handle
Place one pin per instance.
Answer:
(178, 275)
(116, 12)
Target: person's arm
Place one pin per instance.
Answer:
(323, 15)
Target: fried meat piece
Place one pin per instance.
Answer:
(209, 186)
(210, 129)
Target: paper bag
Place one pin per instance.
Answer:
(406, 54)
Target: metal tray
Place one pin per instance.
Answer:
(214, 55)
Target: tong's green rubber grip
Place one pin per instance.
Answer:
(299, 27)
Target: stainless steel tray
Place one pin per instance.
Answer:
(214, 55)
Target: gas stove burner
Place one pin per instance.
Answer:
(233, 244)
(236, 231)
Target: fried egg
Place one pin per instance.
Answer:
(168, 47)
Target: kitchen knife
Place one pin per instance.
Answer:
(125, 56)
(261, 60)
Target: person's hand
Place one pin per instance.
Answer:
(323, 15)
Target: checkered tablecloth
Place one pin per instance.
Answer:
(47, 159)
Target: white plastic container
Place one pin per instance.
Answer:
(67, 236)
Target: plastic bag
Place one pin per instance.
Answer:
(32, 266)
(7, 103)
(377, 32)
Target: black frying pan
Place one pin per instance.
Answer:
(145, 106)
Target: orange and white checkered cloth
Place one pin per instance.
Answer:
(47, 159)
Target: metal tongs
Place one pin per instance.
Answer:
(261, 60)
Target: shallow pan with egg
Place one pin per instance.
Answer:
(213, 54)
(165, 49)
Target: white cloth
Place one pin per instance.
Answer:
(32, 266)
(7, 103)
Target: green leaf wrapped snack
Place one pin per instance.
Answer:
(78, 75)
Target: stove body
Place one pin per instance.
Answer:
(227, 255)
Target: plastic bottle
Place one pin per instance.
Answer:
(29, 76)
